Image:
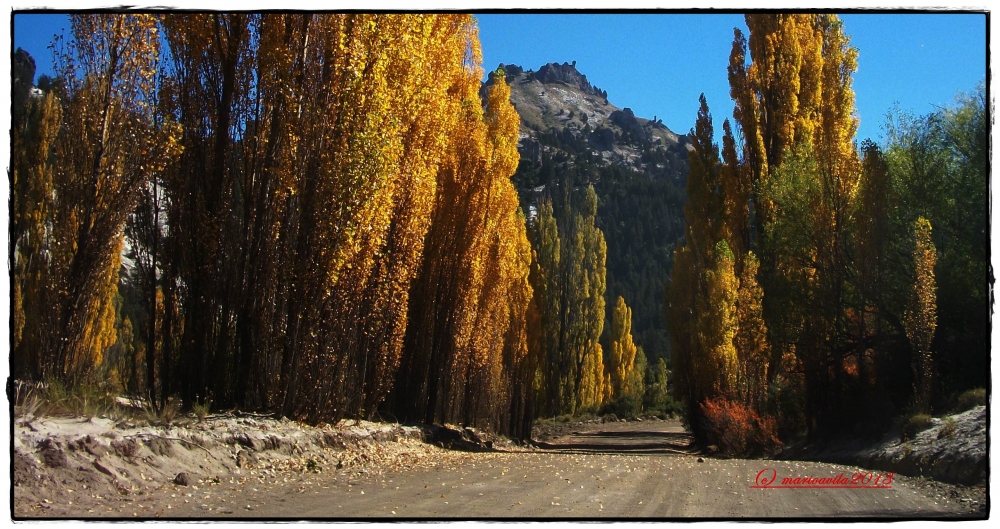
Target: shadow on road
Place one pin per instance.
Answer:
(655, 441)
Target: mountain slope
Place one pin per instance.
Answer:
(571, 136)
(564, 115)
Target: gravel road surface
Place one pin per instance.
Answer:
(618, 470)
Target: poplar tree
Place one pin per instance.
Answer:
(33, 132)
(920, 319)
(716, 363)
(794, 109)
(623, 350)
(587, 280)
(874, 227)
(289, 181)
(468, 336)
(635, 384)
(571, 284)
(696, 345)
(548, 293)
(108, 149)
(750, 340)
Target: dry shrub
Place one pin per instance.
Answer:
(737, 430)
(970, 399)
(915, 424)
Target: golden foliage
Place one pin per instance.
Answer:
(785, 187)
(716, 365)
(31, 204)
(622, 348)
(467, 336)
(920, 320)
(750, 340)
(106, 149)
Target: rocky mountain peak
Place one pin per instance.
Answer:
(552, 73)
(564, 115)
(566, 73)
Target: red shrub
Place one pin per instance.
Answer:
(737, 430)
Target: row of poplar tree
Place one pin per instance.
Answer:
(804, 288)
(319, 217)
(570, 288)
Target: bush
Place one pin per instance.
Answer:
(26, 400)
(736, 430)
(665, 406)
(166, 413)
(948, 430)
(970, 399)
(53, 398)
(914, 425)
(674, 408)
(625, 407)
(201, 409)
(586, 413)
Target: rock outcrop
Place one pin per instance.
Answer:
(564, 115)
(567, 74)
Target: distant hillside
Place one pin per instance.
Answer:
(571, 135)
(563, 115)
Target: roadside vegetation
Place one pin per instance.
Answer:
(826, 285)
(313, 216)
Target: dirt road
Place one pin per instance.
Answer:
(636, 469)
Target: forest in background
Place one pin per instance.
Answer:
(639, 212)
(318, 219)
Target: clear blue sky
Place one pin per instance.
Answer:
(659, 64)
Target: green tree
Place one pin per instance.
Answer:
(938, 166)
(571, 287)
(548, 292)
(698, 283)
(794, 106)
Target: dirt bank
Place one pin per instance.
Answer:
(97, 467)
(953, 449)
